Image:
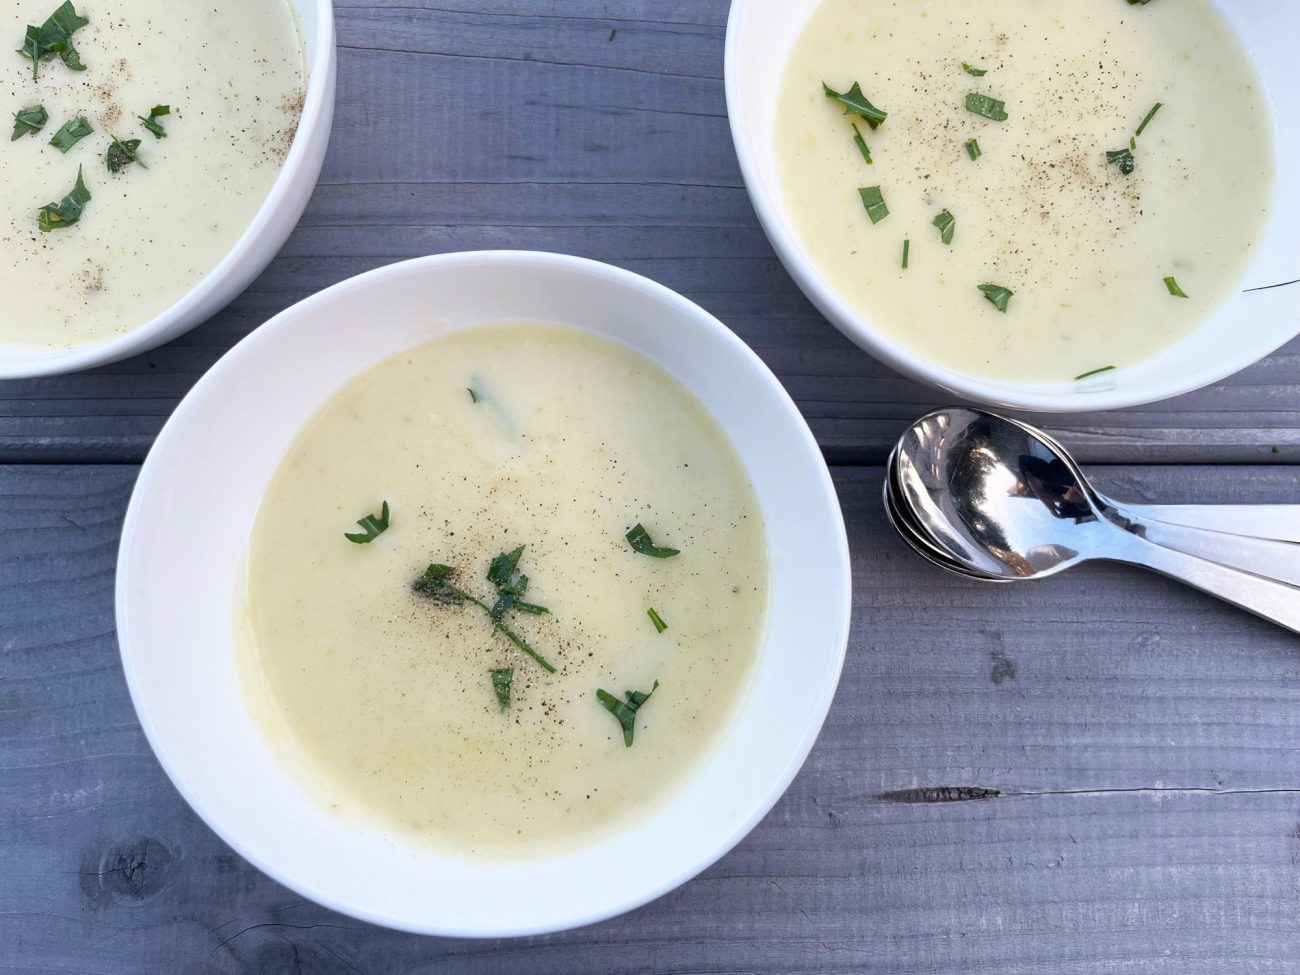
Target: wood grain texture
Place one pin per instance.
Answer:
(519, 123)
(1094, 775)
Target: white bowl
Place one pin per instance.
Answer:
(259, 243)
(1252, 323)
(187, 528)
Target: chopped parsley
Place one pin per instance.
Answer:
(57, 216)
(72, 132)
(641, 542)
(1150, 115)
(502, 678)
(997, 295)
(856, 103)
(907, 246)
(861, 143)
(29, 121)
(510, 585)
(1123, 158)
(373, 528)
(625, 711)
(990, 108)
(151, 123)
(121, 153)
(54, 37)
(657, 620)
(972, 70)
(874, 202)
(973, 149)
(1093, 372)
(473, 396)
(947, 225)
(1174, 290)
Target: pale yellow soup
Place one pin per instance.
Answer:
(233, 74)
(380, 700)
(1083, 247)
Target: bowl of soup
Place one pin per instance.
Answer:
(461, 581)
(159, 157)
(1036, 205)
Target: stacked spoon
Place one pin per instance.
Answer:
(992, 498)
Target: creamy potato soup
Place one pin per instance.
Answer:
(176, 126)
(989, 200)
(471, 569)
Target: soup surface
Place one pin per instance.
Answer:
(232, 73)
(1083, 246)
(381, 698)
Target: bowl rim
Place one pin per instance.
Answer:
(317, 110)
(231, 362)
(859, 329)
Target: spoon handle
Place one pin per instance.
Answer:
(1276, 521)
(1274, 601)
(1266, 557)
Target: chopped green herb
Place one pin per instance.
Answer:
(612, 33)
(947, 225)
(861, 142)
(374, 527)
(436, 583)
(473, 396)
(1134, 3)
(1150, 115)
(973, 149)
(874, 202)
(971, 69)
(502, 678)
(625, 711)
(1123, 158)
(1093, 372)
(54, 37)
(657, 620)
(1174, 290)
(856, 103)
(56, 216)
(29, 121)
(121, 153)
(998, 295)
(71, 133)
(640, 541)
(510, 585)
(990, 108)
(907, 246)
(151, 123)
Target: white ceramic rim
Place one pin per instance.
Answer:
(300, 164)
(151, 483)
(1282, 100)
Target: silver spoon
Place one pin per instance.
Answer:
(986, 490)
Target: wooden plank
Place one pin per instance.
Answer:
(519, 123)
(1095, 774)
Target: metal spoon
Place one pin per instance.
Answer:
(986, 490)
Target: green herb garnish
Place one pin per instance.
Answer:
(973, 149)
(612, 34)
(151, 123)
(502, 678)
(1174, 290)
(874, 202)
(990, 108)
(640, 541)
(657, 620)
(971, 69)
(71, 133)
(861, 142)
(437, 583)
(473, 396)
(1134, 3)
(947, 225)
(625, 711)
(1093, 372)
(1150, 115)
(374, 527)
(121, 153)
(998, 295)
(29, 121)
(510, 585)
(56, 216)
(907, 247)
(54, 37)
(1123, 158)
(855, 103)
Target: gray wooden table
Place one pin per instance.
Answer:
(1097, 774)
